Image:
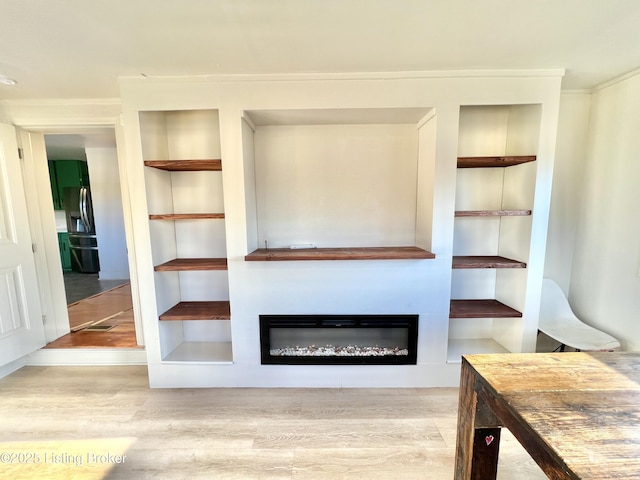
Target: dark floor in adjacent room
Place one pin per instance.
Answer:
(82, 285)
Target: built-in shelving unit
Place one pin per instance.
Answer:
(491, 242)
(289, 195)
(181, 152)
(484, 308)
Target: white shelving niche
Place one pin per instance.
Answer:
(495, 187)
(183, 183)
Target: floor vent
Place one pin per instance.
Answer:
(98, 328)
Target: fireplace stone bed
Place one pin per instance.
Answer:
(339, 351)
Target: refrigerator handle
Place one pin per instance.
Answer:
(83, 209)
(86, 210)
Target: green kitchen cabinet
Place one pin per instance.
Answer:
(65, 252)
(54, 185)
(63, 174)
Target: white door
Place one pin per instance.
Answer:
(21, 327)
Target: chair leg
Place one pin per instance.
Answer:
(562, 347)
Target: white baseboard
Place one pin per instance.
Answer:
(88, 356)
(12, 366)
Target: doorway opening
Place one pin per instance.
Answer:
(89, 219)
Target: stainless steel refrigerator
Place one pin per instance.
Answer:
(83, 243)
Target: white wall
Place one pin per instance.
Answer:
(605, 278)
(108, 212)
(568, 178)
(336, 185)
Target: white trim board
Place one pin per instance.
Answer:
(11, 367)
(88, 356)
(265, 77)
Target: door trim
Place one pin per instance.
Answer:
(76, 116)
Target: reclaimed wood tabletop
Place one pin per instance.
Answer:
(577, 414)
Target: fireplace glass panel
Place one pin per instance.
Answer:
(339, 340)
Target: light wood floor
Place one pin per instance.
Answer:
(73, 418)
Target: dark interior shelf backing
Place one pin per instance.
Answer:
(492, 213)
(481, 309)
(485, 261)
(218, 310)
(185, 216)
(351, 253)
(185, 165)
(182, 264)
(485, 162)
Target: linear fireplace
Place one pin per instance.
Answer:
(339, 339)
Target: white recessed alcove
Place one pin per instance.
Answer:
(342, 178)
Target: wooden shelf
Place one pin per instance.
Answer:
(185, 165)
(481, 309)
(184, 216)
(485, 261)
(362, 253)
(486, 162)
(492, 213)
(198, 311)
(180, 264)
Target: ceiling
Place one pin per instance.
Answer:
(78, 48)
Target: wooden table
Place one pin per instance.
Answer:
(577, 414)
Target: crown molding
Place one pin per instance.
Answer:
(46, 102)
(45, 113)
(278, 77)
(614, 81)
(577, 91)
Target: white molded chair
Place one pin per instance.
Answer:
(558, 321)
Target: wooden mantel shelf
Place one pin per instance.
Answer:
(198, 311)
(185, 165)
(181, 264)
(352, 253)
(485, 261)
(485, 162)
(481, 309)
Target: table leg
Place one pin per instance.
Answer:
(478, 438)
(484, 462)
